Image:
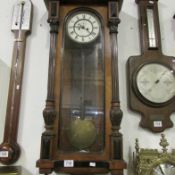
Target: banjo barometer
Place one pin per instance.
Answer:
(151, 76)
(82, 113)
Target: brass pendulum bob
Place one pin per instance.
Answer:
(82, 131)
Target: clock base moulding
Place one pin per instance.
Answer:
(80, 167)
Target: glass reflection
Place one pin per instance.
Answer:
(82, 95)
(164, 169)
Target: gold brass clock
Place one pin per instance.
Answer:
(82, 114)
(151, 76)
(154, 162)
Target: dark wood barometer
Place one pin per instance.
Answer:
(151, 76)
(21, 26)
(82, 113)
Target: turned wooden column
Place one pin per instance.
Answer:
(49, 112)
(116, 113)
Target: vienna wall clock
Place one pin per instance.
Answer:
(82, 114)
(151, 76)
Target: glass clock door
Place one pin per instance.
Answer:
(82, 106)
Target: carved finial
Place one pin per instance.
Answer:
(137, 146)
(163, 143)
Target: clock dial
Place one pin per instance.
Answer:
(164, 169)
(156, 83)
(83, 27)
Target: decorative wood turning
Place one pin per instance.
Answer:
(21, 25)
(116, 113)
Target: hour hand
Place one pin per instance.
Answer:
(78, 26)
(161, 170)
(87, 29)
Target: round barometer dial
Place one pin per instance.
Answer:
(164, 169)
(156, 83)
(83, 27)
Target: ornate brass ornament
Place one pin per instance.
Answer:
(153, 161)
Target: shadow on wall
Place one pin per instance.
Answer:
(131, 166)
(173, 24)
(4, 84)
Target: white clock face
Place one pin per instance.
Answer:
(164, 169)
(83, 27)
(156, 83)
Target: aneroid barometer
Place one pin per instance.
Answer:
(82, 113)
(151, 76)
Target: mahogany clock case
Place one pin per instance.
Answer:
(106, 152)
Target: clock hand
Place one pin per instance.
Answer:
(158, 80)
(161, 170)
(78, 26)
(87, 29)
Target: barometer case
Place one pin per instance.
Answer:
(21, 27)
(151, 76)
(82, 114)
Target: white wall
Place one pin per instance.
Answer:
(35, 77)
